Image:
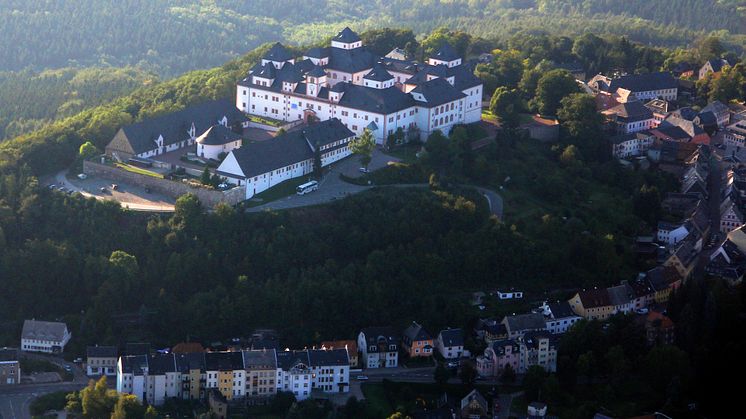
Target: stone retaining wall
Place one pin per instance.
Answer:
(208, 197)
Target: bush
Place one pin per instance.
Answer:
(51, 401)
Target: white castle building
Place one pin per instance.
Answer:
(362, 90)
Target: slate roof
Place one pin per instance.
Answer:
(373, 333)
(619, 295)
(175, 126)
(631, 111)
(190, 361)
(561, 310)
(260, 359)
(8, 354)
(416, 332)
(351, 60)
(679, 120)
(672, 131)
(437, 92)
(529, 321)
(223, 361)
(452, 337)
(134, 364)
(718, 64)
(380, 101)
(594, 298)
(346, 36)
(317, 71)
(286, 360)
(256, 158)
(318, 52)
(101, 352)
(159, 364)
(378, 73)
(446, 53)
(499, 346)
(41, 330)
(531, 339)
(644, 82)
(218, 135)
(279, 53)
(328, 357)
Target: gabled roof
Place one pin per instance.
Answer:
(318, 52)
(346, 36)
(437, 92)
(159, 364)
(41, 330)
(644, 82)
(594, 298)
(278, 53)
(260, 359)
(373, 333)
(380, 101)
(134, 364)
(8, 354)
(190, 361)
(378, 73)
(631, 111)
(101, 351)
(532, 339)
(523, 322)
(561, 310)
(223, 361)
(717, 64)
(316, 71)
(286, 360)
(446, 53)
(218, 135)
(452, 337)
(416, 332)
(174, 126)
(619, 295)
(328, 357)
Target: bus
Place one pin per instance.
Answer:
(307, 187)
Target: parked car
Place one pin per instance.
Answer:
(223, 186)
(364, 170)
(114, 187)
(362, 378)
(103, 189)
(641, 311)
(52, 186)
(68, 368)
(82, 176)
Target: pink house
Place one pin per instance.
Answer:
(497, 357)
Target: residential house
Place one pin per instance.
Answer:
(416, 342)
(592, 304)
(643, 86)
(163, 380)
(558, 317)
(642, 293)
(731, 216)
(620, 298)
(537, 349)
(735, 134)
(294, 373)
(226, 372)
(517, 325)
(330, 370)
(42, 336)
(191, 366)
(261, 372)
(497, 357)
(155, 136)
(349, 82)
(663, 280)
(684, 257)
(631, 145)
(264, 164)
(659, 329)
(490, 330)
(729, 260)
(132, 371)
(10, 367)
(101, 360)
(379, 347)
(537, 410)
(721, 112)
(671, 233)
(712, 66)
(450, 344)
(629, 117)
(349, 345)
(660, 109)
(474, 406)
(398, 54)
(218, 404)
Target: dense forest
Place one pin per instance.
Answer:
(173, 36)
(31, 100)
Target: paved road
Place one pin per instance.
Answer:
(130, 197)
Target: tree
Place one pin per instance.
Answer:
(87, 150)
(569, 156)
(468, 373)
(205, 178)
(551, 89)
(441, 374)
(318, 170)
(363, 146)
(710, 48)
(506, 106)
(533, 381)
(439, 151)
(582, 125)
(97, 400)
(508, 374)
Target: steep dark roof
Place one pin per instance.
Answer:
(218, 135)
(378, 73)
(437, 92)
(346, 36)
(175, 126)
(529, 321)
(289, 359)
(134, 364)
(416, 332)
(718, 64)
(452, 337)
(223, 361)
(159, 364)
(8, 354)
(101, 352)
(595, 298)
(632, 111)
(561, 309)
(328, 357)
(644, 82)
(279, 53)
(190, 361)
(261, 359)
(317, 52)
(373, 333)
(351, 60)
(619, 295)
(446, 53)
(257, 158)
(380, 101)
(317, 71)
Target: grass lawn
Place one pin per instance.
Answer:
(378, 404)
(407, 152)
(138, 170)
(276, 192)
(266, 121)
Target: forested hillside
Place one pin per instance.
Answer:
(173, 36)
(32, 100)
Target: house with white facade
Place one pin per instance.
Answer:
(731, 216)
(132, 371)
(672, 233)
(735, 134)
(217, 141)
(47, 337)
(294, 373)
(379, 347)
(263, 164)
(712, 66)
(10, 367)
(450, 344)
(347, 81)
(173, 131)
(330, 370)
(632, 145)
(101, 360)
(646, 86)
(558, 317)
(630, 117)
